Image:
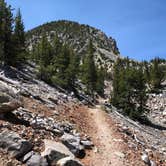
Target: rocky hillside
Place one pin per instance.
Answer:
(44, 125)
(77, 36)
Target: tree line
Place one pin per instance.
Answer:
(59, 65)
(132, 81)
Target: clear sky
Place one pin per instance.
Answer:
(139, 26)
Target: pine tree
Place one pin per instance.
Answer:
(117, 74)
(129, 88)
(89, 74)
(2, 28)
(61, 63)
(72, 70)
(19, 39)
(6, 29)
(44, 54)
(100, 82)
(157, 74)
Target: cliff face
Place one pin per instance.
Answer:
(77, 36)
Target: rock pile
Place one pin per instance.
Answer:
(150, 140)
(31, 137)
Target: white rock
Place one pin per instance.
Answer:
(68, 161)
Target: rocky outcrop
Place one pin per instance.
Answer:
(14, 144)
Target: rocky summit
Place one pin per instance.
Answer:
(77, 36)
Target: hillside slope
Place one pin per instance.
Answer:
(77, 36)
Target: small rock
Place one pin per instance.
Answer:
(37, 160)
(68, 161)
(120, 154)
(152, 163)
(145, 158)
(27, 156)
(87, 144)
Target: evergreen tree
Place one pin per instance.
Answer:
(19, 39)
(146, 66)
(61, 63)
(6, 29)
(72, 70)
(89, 74)
(129, 88)
(44, 54)
(100, 82)
(2, 28)
(57, 46)
(157, 74)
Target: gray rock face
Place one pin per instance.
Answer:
(73, 143)
(37, 160)
(15, 145)
(68, 161)
(55, 151)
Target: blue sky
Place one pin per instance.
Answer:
(139, 26)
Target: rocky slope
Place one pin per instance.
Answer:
(77, 36)
(42, 125)
(33, 129)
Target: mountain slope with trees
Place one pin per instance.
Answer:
(77, 37)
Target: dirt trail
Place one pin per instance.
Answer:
(109, 150)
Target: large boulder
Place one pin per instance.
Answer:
(9, 107)
(14, 144)
(55, 151)
(74, 145)
(9, 99)
(68, 161)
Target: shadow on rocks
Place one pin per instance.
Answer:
(12, 118)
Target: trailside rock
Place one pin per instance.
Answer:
(68, 161)
(55, 151)
(73, 143)
(37, 160)
(9, 100)
(14, 144)
(145, 158)
(10, 106)
(87, 144)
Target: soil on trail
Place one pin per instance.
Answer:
(110, 147)
(109, 152)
